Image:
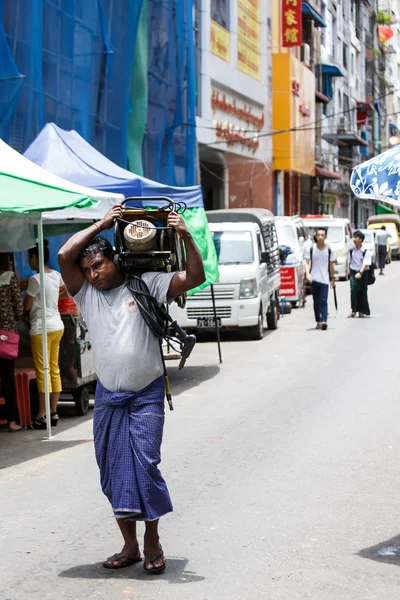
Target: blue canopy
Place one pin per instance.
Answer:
(68, 155)
(379, 178)
(311, 13)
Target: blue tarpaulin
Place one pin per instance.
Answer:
(68, 61)
(68, 155)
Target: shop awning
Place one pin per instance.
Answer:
(310, 13)
(345, 139)
(325, 174)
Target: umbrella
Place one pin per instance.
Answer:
(335, 296)
(379, 178)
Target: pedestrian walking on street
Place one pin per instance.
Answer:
(129, 404)
(320, 261)
(381, 240)
(360, 262)
(10, 313)
(55, 330)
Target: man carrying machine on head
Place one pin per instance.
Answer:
(129, 404)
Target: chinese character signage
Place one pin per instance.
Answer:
(219, 41)
(291, 23)
(249, 55)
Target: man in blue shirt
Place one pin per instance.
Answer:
(360, 262)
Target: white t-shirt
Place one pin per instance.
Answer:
(126, 354)
(319, 263)
(52, 282)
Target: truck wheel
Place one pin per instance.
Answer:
(257, 331)
(81, 398)
(272, 315)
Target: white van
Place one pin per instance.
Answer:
(248, 287)
(339, 239)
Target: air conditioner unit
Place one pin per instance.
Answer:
(343, 124)
(305, 54)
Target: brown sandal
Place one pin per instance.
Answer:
(152, 559)
(128, 561)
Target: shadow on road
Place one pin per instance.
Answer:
(386, 552)
(17, 448)
(176, 572)
(190, 376)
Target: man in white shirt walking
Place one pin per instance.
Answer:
(360, 262)
(320, 261)
(381, 240)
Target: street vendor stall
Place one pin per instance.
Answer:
(76, 363)
(21, 199)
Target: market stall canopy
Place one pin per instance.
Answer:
(379, 178)
(68, 155)
(13, 163)
(22, 201)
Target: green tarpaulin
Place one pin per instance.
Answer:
(381, 209)
(197, 223)
(19, 196)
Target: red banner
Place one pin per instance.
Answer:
(288, 287)
(291, 23)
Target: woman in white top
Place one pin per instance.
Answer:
(55, 330)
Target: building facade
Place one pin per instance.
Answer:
(234, 103)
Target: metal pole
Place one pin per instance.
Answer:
(216, 324)
(44, 325)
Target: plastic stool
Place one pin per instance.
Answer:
(22, 379)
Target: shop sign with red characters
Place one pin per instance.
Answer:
(288, 287)
(291, 23)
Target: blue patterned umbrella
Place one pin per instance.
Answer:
(379, 178)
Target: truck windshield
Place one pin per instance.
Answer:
(233, 247)
(286, 234)
(335, 233)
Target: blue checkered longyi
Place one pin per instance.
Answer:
(128, 430)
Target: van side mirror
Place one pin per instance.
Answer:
(301, 240)
(347, 238)
(265, 256)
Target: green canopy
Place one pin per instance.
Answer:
(19, 196)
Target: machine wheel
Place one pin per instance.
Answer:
(81, 399)
(257, 331)
(294, 304)
(272, 315)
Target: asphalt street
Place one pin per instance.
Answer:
(282, 464)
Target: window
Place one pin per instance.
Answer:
(323, 34)
(345, 51)
(233, 247)
(260, 243)
(220, 12)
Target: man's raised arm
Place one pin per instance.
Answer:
(68, 255)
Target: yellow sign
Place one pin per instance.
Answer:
(219, 41)
(293, 113)
(248, 28)
(249, 59)
(251, 6)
